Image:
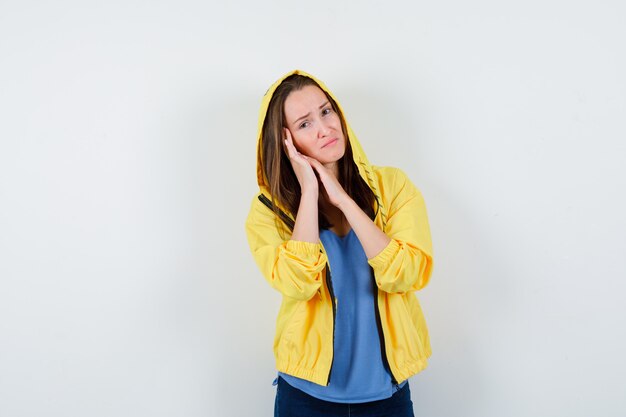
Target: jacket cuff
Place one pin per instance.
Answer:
(305, 248)
(383, 258)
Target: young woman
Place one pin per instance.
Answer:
(347, 244)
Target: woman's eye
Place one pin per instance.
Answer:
(326, 111)
(304, 124)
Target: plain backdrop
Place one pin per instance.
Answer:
(127, 168)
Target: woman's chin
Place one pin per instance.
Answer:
(331, 159)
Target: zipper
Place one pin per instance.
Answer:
(381, 335)
(290, 223)
(329, 284)
(283, 216)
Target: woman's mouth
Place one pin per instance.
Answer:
(330, 142)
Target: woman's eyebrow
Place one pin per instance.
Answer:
(309, 113)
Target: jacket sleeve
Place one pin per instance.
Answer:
(294, 268)
(406, 263)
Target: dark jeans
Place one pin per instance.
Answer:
(292, 402)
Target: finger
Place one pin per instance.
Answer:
(288, 136)
(314, 162)
(317, 167)
(291, 142)
(291, 149)
(287, 148)
(292, 152)
(285, 134)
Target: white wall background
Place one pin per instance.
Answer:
(127, 166)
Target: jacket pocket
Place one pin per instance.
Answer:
(294, 324)
(412, 319)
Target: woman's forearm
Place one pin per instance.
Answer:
(371, 237)
(306, 227)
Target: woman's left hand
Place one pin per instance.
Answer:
(336, 194)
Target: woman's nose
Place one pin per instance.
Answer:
(324, 130)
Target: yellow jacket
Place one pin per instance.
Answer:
(303, 343)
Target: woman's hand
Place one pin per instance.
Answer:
(301, 166)
(336, 194)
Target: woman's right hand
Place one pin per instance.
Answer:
(301, 166)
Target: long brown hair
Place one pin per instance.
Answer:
(283, 184)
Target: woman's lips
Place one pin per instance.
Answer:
(330, 142)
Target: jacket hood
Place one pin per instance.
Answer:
(365, 168)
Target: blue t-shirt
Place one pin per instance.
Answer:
(358, 372)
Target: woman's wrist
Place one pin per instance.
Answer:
(372, 238)
(310, 193)
(346, 203)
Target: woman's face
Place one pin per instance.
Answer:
(314, 126)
